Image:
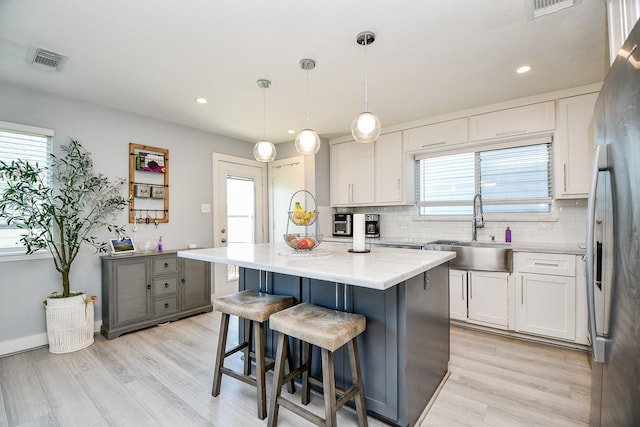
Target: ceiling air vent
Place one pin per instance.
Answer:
(545, 7)
(45, 59)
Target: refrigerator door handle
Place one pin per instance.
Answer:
(600, 163)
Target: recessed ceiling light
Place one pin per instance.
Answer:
(523, 69)
(291, 131)
(201, 100)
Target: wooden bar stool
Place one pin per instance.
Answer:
(329, 330)
(255, 307)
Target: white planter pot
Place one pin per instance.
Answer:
(69, 323)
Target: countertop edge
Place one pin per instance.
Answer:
(351, 275)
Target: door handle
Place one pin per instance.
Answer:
(600, 163)
(223, 240)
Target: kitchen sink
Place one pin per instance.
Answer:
(483, 256)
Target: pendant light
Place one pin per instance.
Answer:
(307, 140)
(264, 151)
(366, 126)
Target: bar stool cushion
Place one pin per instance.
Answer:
(252, 305)
(320, 326)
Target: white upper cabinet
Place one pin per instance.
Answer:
(393, 179)
(574, 146)
(352, 174)
(513, 122)
(437, 135)
(371, 174)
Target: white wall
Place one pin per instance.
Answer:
(106, 133)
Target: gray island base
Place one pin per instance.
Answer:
(404, 351)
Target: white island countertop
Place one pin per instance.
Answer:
(380, 269)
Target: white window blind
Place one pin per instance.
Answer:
(27, 143)
(512, 179)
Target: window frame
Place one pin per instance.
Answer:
(17, 252)
(497, 216)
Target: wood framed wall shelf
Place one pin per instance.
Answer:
(148, 184)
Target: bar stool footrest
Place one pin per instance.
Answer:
(239, 376)
(303, 412)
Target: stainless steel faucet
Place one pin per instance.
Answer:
(478, 220)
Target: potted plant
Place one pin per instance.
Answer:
(60, 207)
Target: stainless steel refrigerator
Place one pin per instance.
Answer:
(613, 244)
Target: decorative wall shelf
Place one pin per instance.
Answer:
(148, 184)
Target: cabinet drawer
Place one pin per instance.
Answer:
(437, 135)
(168, 285)
(164, 265)
(542, 263)
(165, 306)
(513, 122)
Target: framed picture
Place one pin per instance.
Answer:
(122, 246)
(157, 192)
(150, 162)
(142, 190)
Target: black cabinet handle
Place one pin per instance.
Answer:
(182, 280)
(148, 286)
(166, 305)
(166, 265)
(166, 285)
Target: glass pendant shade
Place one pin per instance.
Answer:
(264, 151)
(307, 142)
(366, 127)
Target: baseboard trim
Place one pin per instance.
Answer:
(19, 345)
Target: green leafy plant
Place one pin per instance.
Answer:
(61, 213)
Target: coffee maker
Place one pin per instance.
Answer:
(372, 225)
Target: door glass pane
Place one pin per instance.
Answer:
(240, 214)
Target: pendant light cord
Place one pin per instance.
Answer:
(307, 99)
(366, 79)
(264, 113)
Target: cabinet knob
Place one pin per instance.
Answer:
(166, 265)
(166, 285)
(166, 305)
(182, 280)
(148, 286)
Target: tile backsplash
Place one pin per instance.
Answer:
(566, 224)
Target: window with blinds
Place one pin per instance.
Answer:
(27, 143)
(511, 179)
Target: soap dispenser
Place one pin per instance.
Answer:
(507, 235)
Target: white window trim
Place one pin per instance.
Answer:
(21, 256)
(16, 127)
(10, 255)
(499, 216)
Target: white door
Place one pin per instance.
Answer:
(287, 176)
(239, 215)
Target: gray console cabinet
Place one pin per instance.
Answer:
(142, 290)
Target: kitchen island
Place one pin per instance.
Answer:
(403, 293)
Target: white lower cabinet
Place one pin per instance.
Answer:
(479, 297)
(546, 294)
(458, 294)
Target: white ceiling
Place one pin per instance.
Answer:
(154, 57)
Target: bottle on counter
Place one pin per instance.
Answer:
(507, 235)
(160, 244)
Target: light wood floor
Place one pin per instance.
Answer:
(161, 376)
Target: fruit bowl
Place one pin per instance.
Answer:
(303, 217)
(303, 241)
